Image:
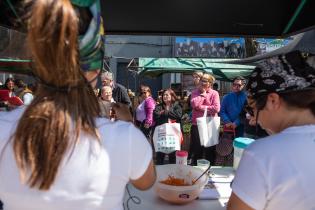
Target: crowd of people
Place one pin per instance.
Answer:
(75, 146)
(151, 112)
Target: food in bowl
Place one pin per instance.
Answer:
(179, 194)
(172, 180)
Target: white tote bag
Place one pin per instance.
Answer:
(167, 137)
(208, 129)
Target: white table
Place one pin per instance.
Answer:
(150, 201)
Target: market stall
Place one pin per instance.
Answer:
(219, 68)
(15, 66)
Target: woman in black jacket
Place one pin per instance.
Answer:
(169, 109)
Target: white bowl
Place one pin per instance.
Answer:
(179, 194)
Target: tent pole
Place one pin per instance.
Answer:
(293, 18)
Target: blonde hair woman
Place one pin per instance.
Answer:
(203, 98)
(56, 153)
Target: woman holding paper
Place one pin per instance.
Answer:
(204, 98)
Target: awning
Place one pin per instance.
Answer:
(15, 66)
(267, 18)
(154, 67)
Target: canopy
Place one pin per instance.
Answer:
(221, 70)
(15, 66)
(268, 18)
(258, 18)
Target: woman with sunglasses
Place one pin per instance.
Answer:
(203, 98)
(277, 172)
(144, 111)
(168, 110)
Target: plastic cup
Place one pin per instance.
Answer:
(203, 164)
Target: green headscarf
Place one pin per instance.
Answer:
(91, 43)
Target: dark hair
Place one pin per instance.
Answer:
(20, 83)
(7, 81)
(145, 88)
(304, 99)
(240, 78)
(172, 93)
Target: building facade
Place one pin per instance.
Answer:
(121, 49)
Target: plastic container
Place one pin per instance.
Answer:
(203, 164)
(179, 194)
(239, 145)
(181, 157)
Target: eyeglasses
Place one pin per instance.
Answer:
(237, 85)
(260, 103)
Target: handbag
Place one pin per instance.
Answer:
(167, 137)
(225, 147)
(208, 129)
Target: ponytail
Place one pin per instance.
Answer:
(64, 103)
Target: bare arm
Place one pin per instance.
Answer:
(235, 203)
(147, 179)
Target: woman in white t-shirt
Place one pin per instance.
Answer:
(55, 153)
(277, 172)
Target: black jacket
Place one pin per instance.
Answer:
(161, 116)
(120, 94)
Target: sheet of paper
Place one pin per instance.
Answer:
(216, 191)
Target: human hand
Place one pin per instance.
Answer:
(203, 94)
(230, 125)
(233, 125)
(252, 121)
(121, 112)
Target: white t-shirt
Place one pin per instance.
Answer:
(278, 172)
(93, 177)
